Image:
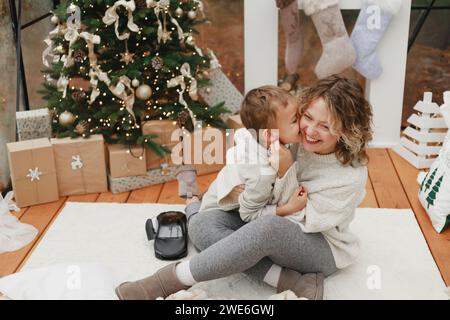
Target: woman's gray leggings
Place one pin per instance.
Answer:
(228, 245)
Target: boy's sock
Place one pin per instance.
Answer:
(184, 274)
(273, 275)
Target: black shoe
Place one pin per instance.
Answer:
(171, 237)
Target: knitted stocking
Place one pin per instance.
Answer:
(338, 52)
(372, 22)
(290, 20)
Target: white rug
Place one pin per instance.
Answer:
(395, 262)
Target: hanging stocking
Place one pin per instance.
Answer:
(373, 20)
(338, 52)
(293, 31)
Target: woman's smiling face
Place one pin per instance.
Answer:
(315, 128)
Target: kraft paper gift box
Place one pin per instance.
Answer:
(167, 136)
(195, 147)
(33, 172)
(126, 161)
(80, 165)
(34, 124)
(205, 148)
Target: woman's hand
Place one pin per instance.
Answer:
(280, 158)
(296, 202)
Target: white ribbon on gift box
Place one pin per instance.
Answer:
(13, 234)
(34, 174)
(76, 162)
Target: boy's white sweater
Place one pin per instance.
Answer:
(248, 166)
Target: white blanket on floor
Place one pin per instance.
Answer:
(395, 262)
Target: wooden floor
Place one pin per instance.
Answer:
(392, 184)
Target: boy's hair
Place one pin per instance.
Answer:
(258, 109)
(351, 116)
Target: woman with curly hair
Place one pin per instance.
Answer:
(288, 254)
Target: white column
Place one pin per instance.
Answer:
(386, 93)
(261, 43)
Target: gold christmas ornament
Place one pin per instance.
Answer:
(135, 83)
(127, 57)
(192, 15)
(66, 118)
(179, 12)
(144, 92)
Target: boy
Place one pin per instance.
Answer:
(246, 182)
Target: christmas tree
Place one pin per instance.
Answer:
(113, 64)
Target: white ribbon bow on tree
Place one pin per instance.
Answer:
(76, 162)
(111, 17)
(97, 74)
(13, 234)
(71, 34)
(34, 174)
(91, 39)
(123, 90)
(179, 81)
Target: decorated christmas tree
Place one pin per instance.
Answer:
(113, 64)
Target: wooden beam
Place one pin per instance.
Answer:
(113, 197)
(146, 195)
(386, 184)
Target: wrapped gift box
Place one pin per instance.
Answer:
(80, 165)
(205, 149)
(125, 161)
(221, 90)
(34, 124)
(33, 172)
(195, 147)
(154, 176)
(167, 136)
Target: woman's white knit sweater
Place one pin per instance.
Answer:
(334, 193)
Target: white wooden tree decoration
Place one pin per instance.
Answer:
(423, 138)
